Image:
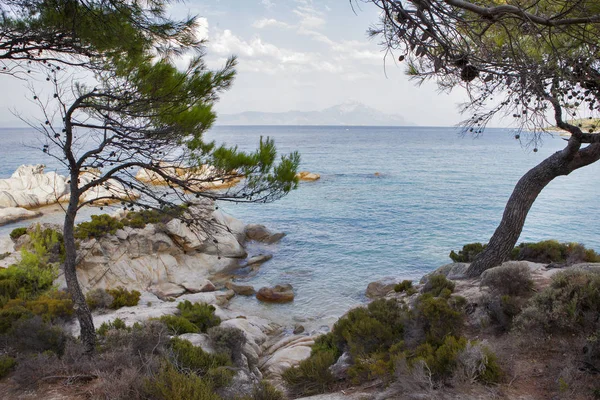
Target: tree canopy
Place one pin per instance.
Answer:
(534, 61)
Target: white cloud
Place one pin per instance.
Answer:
(268, 4)
(310, 18)
(266, 22)
(202, 28)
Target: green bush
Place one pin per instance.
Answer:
(228, 340)
(200, 314)
(570, 303)
(99, 299)
(468, 252)
(139, 219)
(311, 376)
(35, 335)
(492, 373)
(170, 384)
(551, 251)
(178, 325)
(193, 359)
(123, 297)
(7, 363)
(403, 286)
(17, 233)
(437, 284)
(116, 324)
(99, 226)
(441, 359)
(512, 279)
(264, 391)
(438, 319)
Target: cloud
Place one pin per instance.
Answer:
(202, 28)
(268, 4)
(266, 22)
(310, 18)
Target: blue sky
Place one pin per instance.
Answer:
(297, 55)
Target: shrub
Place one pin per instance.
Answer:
(178, 325)
(476, 362)
(512, 278)
(228, 340)
(436, 285)
(35, 335)
(139, 219)
(123, 297)
(502, 310)
(116, 324)
(570, 303)
(170, 384)
(200, 314)
(468, 252)
(99, 226)
(438, 319)
(326, 342)
(311, 376)
(6, 365)
(403, 286)
(99, 299)
(10, 315)
(442, 359)
(551, 251)
(191, 358)
(51, 306)
(265, 391)
(17, 233)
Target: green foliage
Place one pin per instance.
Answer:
(200, 314)
(441, 359)
(36, 336)
(326, 343)
(513, 279)
(570, 303)
(123, 297)
(312, 375)
(492, 373)
(178, 325)
(170, 384)
(265, 391)
(438, 319)
(116, 324)
(98, 299)
(99, 226)
(468, 252)
(139, 219)
(228, 340)
(7, 363)
(438, 285)
(403, 286)
(193, 359)
(17, 233)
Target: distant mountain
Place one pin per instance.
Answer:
(351, 113)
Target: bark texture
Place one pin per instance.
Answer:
(524, 194)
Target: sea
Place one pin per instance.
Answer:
(391, 202)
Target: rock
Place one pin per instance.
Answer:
(199, 340)
(224, 297)
(277, 294)
(30, 187)
(259, 259)
(204, 176)
(166, 290)
(307, 176)
(451, 271)
(298, 329)
(260, 233)
(381, 287)
(198, 286)
(111, 191)
(339, 370)
(14, 214)
(243, 290)
(284, 353)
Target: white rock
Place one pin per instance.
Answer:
(13, 214)
(199, 340)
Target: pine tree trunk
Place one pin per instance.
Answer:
(524, 194)
(82, 311)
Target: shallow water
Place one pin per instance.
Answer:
(436, 191)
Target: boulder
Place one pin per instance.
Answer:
(381, 287)
(199, 340)
(259, 259)
(339, 370)
(284, 353)
(14, 214)
(206, 177)
(198, 285)
(30, 187)
(307, 176)
(260, 233)
(166, 290)
(243, 290)
(277, 294)
(451, 271)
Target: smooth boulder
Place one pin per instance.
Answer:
(13, 214)
(277, 294)
(261, 233)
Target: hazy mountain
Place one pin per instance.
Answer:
(351, 113)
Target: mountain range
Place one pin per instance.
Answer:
(350, 113)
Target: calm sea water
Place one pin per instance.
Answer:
(436, 191)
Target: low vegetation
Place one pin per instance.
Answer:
(547, 251)
(386, 336)
(102, 225)
(192, 318)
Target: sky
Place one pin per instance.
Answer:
(294, 55)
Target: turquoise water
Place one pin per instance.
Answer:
(437, 190)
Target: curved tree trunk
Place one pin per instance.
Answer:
(82, 311)
(524, 194)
